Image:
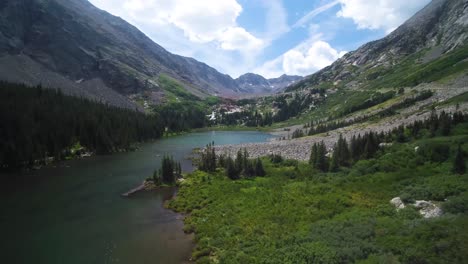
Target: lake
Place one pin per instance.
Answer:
(72, 212)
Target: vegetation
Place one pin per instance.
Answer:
(40, 123)
(208, 159)
(168, 173)
(299, 214)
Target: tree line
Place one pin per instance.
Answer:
(365, 147)
(37, 123)
(248, 118)
(240, 166)
(319, 127)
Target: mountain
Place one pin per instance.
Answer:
(87, 52)
(254, 83)
(430, 36)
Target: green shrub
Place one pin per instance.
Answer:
(456, 205)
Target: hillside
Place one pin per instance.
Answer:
(87, 52)
(438, 29)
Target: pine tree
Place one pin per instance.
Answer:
(249, 169)
(231, 170)
(459, 165)
(245, 159)
(321, 162)
(239, 162)
(259, 170)
(313, 155)
(353, 150)
(334, 160)
(344, 152)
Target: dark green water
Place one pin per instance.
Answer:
(73, 212)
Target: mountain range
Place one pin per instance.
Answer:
(88, 52)
(85, 51)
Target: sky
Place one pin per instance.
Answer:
(267, 37)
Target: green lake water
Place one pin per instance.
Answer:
(72, 212)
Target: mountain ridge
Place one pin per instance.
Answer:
(74, 45)
(256, 83)
(440, 27)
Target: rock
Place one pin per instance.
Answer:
(398, 203)
(422, 204)
(428, 209)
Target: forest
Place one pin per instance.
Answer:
(39, 124)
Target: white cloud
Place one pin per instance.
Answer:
(237, 38)
(201, 21)
(276, 19)
(304, 59)
(379, 14)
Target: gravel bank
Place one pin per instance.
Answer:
(300, 148)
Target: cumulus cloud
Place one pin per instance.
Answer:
(302, 61)
(201, 21)
(237, 38)
(379, 14)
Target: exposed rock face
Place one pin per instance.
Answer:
(68, 43)
(441, 27)
(254, 83)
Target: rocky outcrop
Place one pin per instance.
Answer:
(427, 209)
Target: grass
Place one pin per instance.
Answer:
(298, 215)
(174, 91)
(410, 72)
(462, 98)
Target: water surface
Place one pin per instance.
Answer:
(73, 213)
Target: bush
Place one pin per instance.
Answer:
(456, 205)
(435, 151)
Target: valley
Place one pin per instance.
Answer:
(361, 161)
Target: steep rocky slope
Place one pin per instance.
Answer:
(439, 28)
(86, 51)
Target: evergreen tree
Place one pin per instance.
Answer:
(353, 149)
(459, 165)
(245, 159)
(322, 162)
(231, 170)
(334, 160)
(313, 156)
(239, 162)
(249, 169)
(259, 170)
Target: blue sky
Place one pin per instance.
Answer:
(268, 37)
